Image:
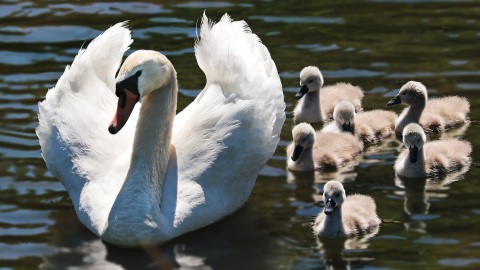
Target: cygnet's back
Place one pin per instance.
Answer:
(372, 126)
(332, 151)
(446, 156)
(345, 216)
(333, 94)
(444, 113)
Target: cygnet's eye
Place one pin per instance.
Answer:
(310, 81)
(404, 93)
(336, 195)
(304, 139)
(138, 73)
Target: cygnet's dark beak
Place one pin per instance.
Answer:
(395, 100)
(330, 204)
(413, 156)
(348, 127)
(302, 92)
(296, 152)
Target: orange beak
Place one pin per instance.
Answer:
(126, 103)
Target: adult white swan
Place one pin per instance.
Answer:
(162, 175)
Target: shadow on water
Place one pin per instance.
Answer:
(234, 243)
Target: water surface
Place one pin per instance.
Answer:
(378, 45)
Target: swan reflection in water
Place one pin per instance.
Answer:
(240, 238)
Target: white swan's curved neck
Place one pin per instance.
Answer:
(143, 186)
(153, 135)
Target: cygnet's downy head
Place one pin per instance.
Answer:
(344, 116)
(303, 138)
(333, 196)
(141, 73)
(411, 93)
(311, 80)
(413, 138)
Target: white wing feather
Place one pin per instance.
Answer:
(232, 127)
(74, 119)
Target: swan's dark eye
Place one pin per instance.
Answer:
(404, 93)
(138, 73)
(336, 195)
(311, 80)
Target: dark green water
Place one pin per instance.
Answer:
(378, 45)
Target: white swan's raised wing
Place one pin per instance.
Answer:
(74, 119)
(229, 132)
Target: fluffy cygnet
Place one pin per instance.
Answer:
(312, 150)
(436, 114)
(316, 103)
(369, 126)
(345, 216)
(433, 159)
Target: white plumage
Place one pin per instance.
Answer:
(162, 175)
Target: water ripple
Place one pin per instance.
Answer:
(27, 58)
(147, 33)
(46, 34)
(293, 20)
(457, 262)
(113, 8)
(437, 241)
(17, 251)
(24, 216)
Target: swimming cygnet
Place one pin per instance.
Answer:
(312, 150)
(318, 102)
(436, 114)
(433, 159)
(370, 126)
(345, 216)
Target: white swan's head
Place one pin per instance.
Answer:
(344, 116)
(141, 73)
(303, 138)
(311, 80)
(333, 196)
(411, 93)
(413, 138)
